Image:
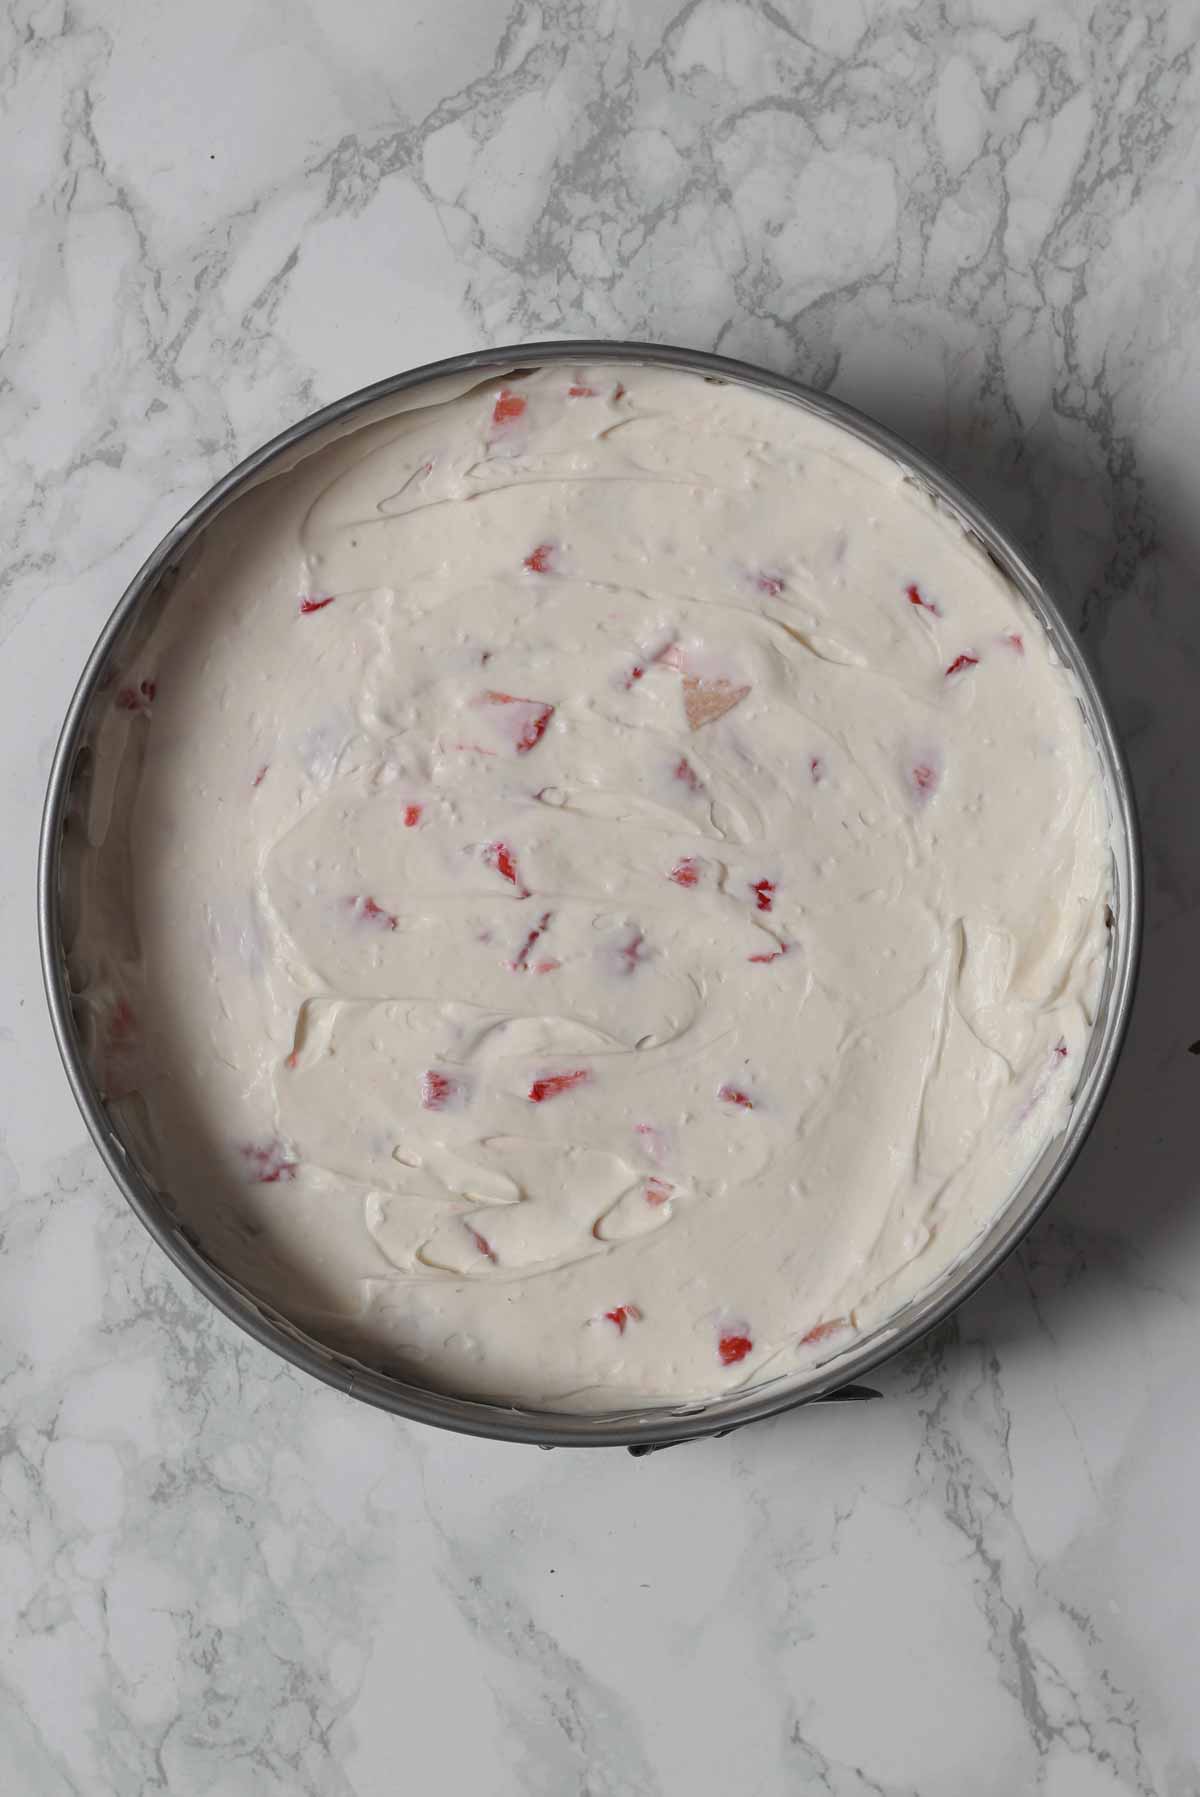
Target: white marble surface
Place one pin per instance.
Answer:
(978, 220)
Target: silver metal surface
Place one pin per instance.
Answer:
(646, 1429)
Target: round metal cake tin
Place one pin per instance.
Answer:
(639, 1430)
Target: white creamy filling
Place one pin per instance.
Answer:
(596, 890)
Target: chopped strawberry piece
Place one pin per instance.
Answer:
(734, 1095)
(685, 872)
(311, 605)
(763, 891)
(961, 662)
(772, 584)
(686, 772)
(1060, 1049)
(652, 1140)
(775, 955)
(499, 856)
(521, 963)
(733, 1348)
(621, 1314)
(141, 699)
(822, 1331)
(483, 1245)
(121, 1044)
(704, 701)
(370, 912)
(657, 1191)
(437, 1090)
(554, 1083)
(618, 391)
(816, 768)
(667, 656)
(631, 953)
(541, 559)
(261, 774)
(924, 777)
(546, 966)
(916, 597)
(581, 392)
(509, 405)
(412, 816)
(121, 1024)
(268, 1162)
(532, 728)
(1015, 641)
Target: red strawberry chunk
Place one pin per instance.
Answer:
(268, 1162)
(764, 891)
(530, 729)
(685, 772)
(509, 405)
(1060, 1049)
(652, 1140)
(122, 1022)
(775, 955)
(521, 962)
(553, 1083)
(1015, 641)
(631, 953)
(962, 662)
(733, 1348)
(311, 605)
(483, 1245)
(499, 856)
(261, 774)
(438, 1090)
(734, 1095)
(541, 559)
(581, 392)
(816, 768)
(657, 1191)
(822, 1331)
(668, 655)
(685, 872)
(141, 699)
(534, 730)
(916, 597)
(367, 909)
(772, 584)
(412, 816)
(621, 1314)
(924, 777)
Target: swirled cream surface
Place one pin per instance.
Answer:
(594, 892)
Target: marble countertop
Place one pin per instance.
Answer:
(977, 221)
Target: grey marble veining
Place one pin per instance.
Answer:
(978, 220)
